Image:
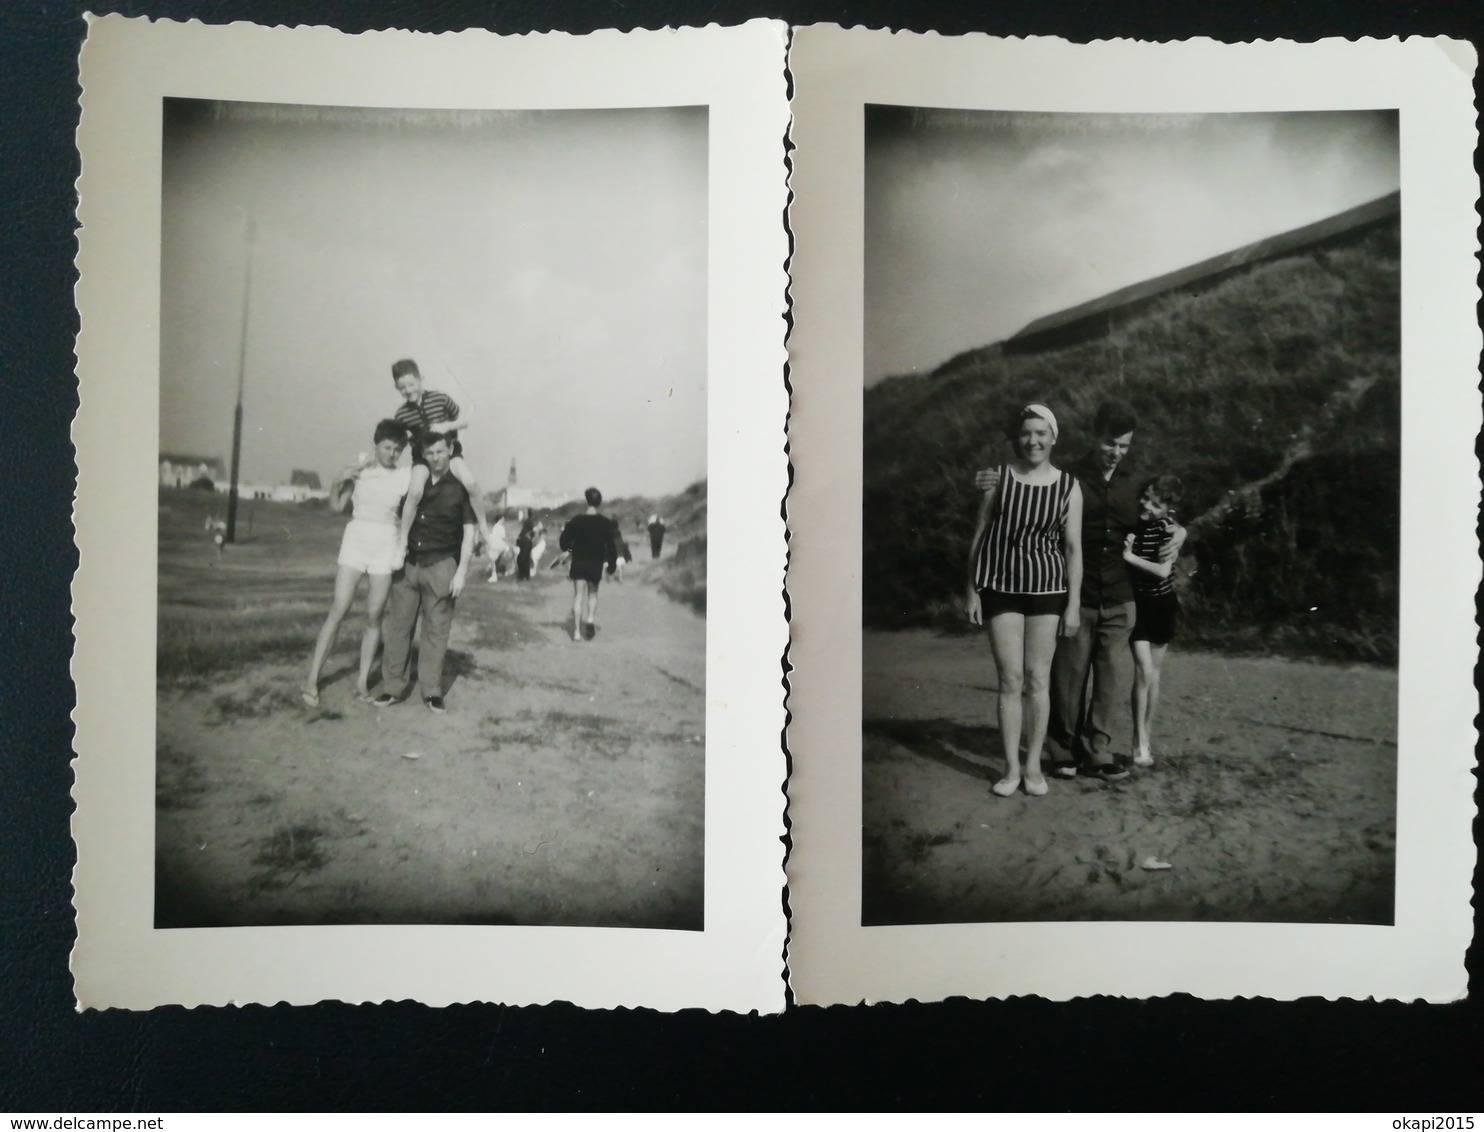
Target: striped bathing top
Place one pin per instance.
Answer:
(1151, 537)
(1022, 552)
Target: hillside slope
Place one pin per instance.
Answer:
(1275, 395)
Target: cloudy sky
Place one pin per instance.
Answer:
(978, 222)
(545, 268)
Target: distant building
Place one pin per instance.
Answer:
(177, 470)
(513, 497)
(301, 478)
(276, 492)
(1098, 317)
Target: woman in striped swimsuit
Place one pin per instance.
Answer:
(1025, 576)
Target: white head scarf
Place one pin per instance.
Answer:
(1046, 415)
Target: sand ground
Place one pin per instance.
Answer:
(1273, 798)
(565, 784)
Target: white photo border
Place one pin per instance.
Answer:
(120, 960)
(832, 959)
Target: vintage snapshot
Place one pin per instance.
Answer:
(1187, 417)
(1134, 496)
(436, 379)
(385, 276)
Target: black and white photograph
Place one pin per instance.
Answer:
(432, 521)
(1137, 668)
(1131, 508)
(420, 367)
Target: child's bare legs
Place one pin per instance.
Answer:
(1007, 639)
(380, 587)
(346, 579)
(415, 488)
(1148, 660)
(465, 475)
(1040, 647)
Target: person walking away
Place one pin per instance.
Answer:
(656, 536)
(589, 539)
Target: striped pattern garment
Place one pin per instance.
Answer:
(434, 409)
(1149, 540)
(1022, 552)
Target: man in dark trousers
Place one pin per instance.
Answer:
(1092, 671)
(656, 535)
(440, 545)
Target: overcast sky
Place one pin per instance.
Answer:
(978, 222)
(545, 268)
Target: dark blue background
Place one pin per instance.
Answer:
(1002, 1055)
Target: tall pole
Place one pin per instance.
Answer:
(231, 535)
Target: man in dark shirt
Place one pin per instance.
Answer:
(440, 544)
(1080, 730)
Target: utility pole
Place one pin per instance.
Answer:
(231, 535)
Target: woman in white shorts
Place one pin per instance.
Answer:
(376, 490)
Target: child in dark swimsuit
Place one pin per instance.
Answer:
(1155, 602)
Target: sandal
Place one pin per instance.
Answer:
(311, 699)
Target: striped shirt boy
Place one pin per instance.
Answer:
(432, 409)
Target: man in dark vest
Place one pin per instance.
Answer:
(440, 544)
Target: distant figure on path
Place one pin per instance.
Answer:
(439, 547)
(369, 547)
(656, 536)
(498, 547)
(428, 409)
(1025, 578)
(524, 541)
(538, 547)
(589, 539)
(1155, 600)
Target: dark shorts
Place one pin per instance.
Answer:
(1027, 605)
(583, 570)
(1155, 620)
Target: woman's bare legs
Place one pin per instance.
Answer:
(379, 586)
(1007, 639)
(1040, 647)
(346, 579)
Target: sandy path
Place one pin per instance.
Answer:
(563, 786)
(1273, 798)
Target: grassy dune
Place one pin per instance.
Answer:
(1276, 397)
